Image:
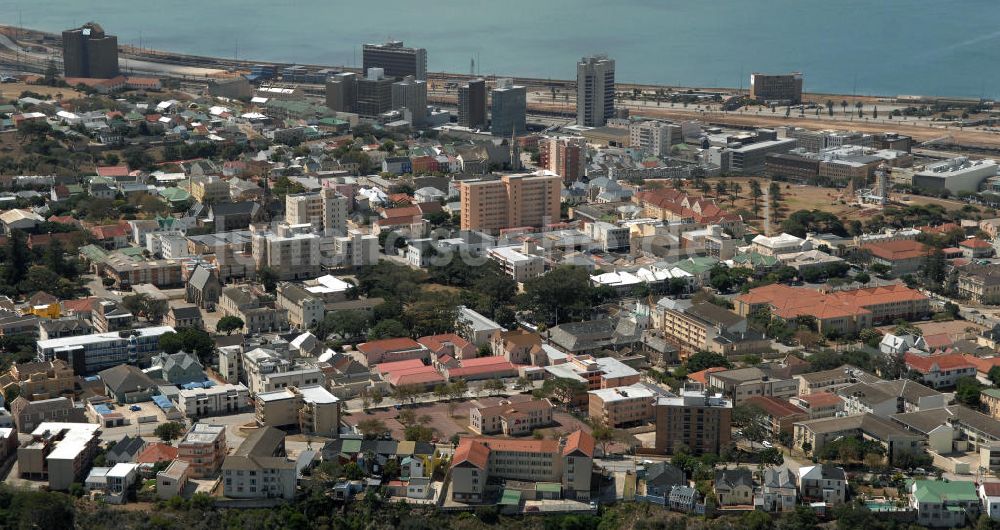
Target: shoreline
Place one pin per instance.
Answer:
(232, 66)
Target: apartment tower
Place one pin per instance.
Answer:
(595, 91)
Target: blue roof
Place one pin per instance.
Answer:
(201, 384)
(102, 409)
(163, 402)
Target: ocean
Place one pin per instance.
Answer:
(864, 47)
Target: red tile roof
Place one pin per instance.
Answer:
(774, 407)
(975, 242)
(157, 452)
(112, 171)
(439, 344)
(472, 452)
(387, 345)
(821, 399)
(702, 376)
(983, 364)
(897, 250)
(790, 302)
(926, 363)
(579, 441)
(991, 488)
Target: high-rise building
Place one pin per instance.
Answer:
(342, 92)
(530, 199)
(472, 104)
(655, 137)
(696, 420)
(509, 109)
(325, 210)
(395, 59)
(292, 251)
(595, 91)
(374, 94)
(88, 52)
(564, 156)
(785, 88)
(411, 93)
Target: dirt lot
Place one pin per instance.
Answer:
(10, 91)
(446, 425)
(801, 197)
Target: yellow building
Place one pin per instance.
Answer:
(513, 201)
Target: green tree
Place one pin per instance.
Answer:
(268, 277)
(494, 386)
(372, 427)
(562, 295)
(967, 390)
(168, 431)
(702, 360)
(229, 324)
(387, 329)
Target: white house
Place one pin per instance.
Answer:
(823, 483)
(989, 496)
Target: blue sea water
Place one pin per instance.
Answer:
(885, 47)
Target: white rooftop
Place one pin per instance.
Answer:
(75, 439)
(80, 340)
(122, 470)
(622, 393)
(317, 394)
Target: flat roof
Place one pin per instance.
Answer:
(317, 394)
(94, 338)
(75, 439)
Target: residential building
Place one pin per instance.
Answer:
(240, 302)
(188, 316)
(595, 373)
(172, 481)
(326, 210)
(566, 157)
(522, 200)
(216, 400)
(595, 91)
(39, 380)
(305, 310)
(395, 59)
(944, 503)
(979, 283)
(310, 408)
(821, 483)
(511, 419)
(8, 442)
(901, 256)
(989, 496)
(125, 450)
(815, 434)
(89, 354)
(780, 88)
(209, 189)
(265, 370)
(518, 265)
(291, 251)
(831, 380)
(819, 404)
(472, 104)
(623, 406)
(655, 137)
(952, 428)
(179, 368)
(778, 414)
(475, 327)
(126, 383)
(697, 420)
(89, 53)
(203, 448)
(734, 487)
(990, 399)
(509, 109)
(58, 452)
(356, 249)
(743, 383)
(260, 468)
(30, 414)
(778, 490)
(843, 312)
(692, 327)
(567, 462)
(390, 350)
(940, 371)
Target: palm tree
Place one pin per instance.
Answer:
(860, 106)
(755, 193)
(829, 107)
(843, 105)
(736, 189)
